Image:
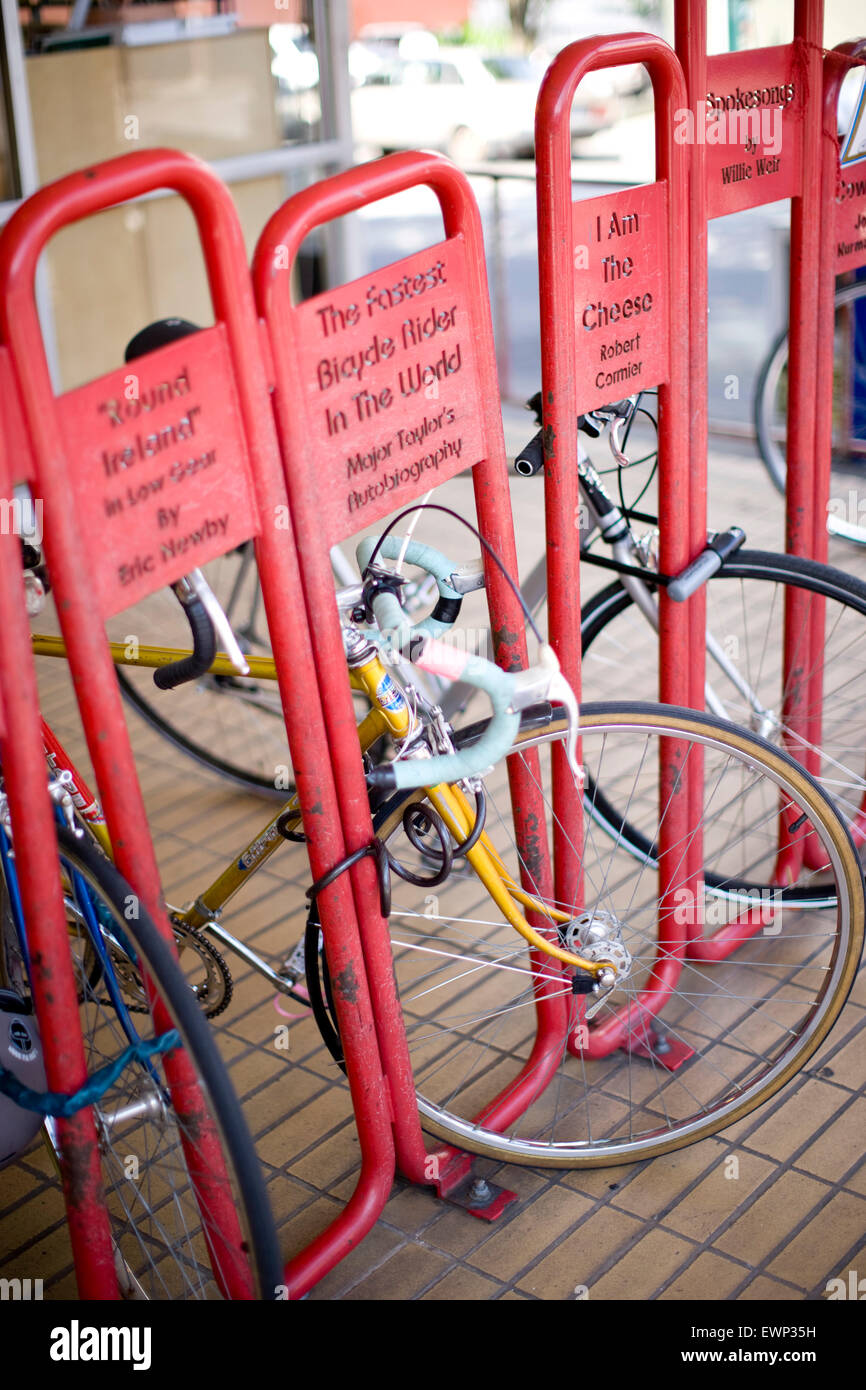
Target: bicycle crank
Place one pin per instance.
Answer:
(213, 986)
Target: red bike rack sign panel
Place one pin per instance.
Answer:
(752, 128)
(388, 371)
(851, 218)
(158, 460)
(621, 300)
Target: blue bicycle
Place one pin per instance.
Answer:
(157, 1173)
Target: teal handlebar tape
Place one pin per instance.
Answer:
(424, 556)
(390, 615)
(493, 744)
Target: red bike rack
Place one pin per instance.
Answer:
(54, 987)
(785, 81)
(791, 75)
(94, 458)
(844, 249)
(350, 323)
(614, 287)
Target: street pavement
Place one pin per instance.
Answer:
(747, 255)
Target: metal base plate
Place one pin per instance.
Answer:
(488, 1207)
(672, 1055)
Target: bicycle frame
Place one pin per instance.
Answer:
(449, 801)
(204, 913)
(92, 927)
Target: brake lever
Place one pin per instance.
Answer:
(545, 681)
(560, 692)
(613, 440)
(195, 583)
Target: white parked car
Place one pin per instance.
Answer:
(295, 68)
(471, 106)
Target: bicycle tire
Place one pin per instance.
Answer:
(251, 781)
(472, 1040)
(165, 1242)
(771, 398)
(751, 623)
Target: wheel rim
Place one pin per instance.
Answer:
(745, 612)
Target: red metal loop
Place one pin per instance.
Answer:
(70, 199)
(354, 189)
(305, 482)
(680, 537)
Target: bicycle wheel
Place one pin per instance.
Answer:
(233, 725)
(745, 623)
(849, 411)
(187, 1206)
(230, 724)
(741, 1028)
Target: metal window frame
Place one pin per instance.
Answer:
(335, 150)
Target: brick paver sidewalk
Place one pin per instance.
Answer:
(773, 1208)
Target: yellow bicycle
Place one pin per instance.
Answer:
(477, 951)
